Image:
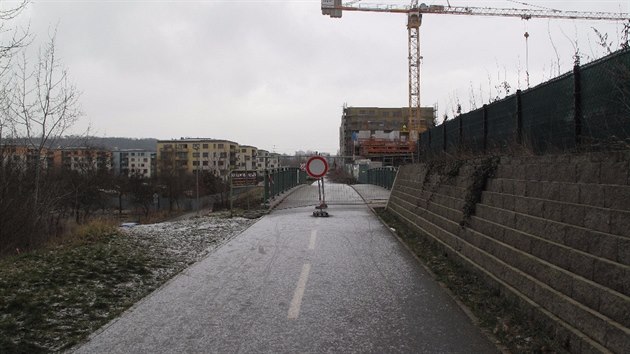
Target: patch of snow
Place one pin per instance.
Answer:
(186, 241)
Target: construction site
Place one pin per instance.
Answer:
(391, 136)
(381, 135)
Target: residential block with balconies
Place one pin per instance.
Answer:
(135, 162)
(82, 159)
(198, 154)
(247, 156)
(266, 159)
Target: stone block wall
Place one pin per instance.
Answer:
(552, 232)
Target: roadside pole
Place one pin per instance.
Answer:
(317, 167)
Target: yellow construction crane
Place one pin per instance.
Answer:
(414, 12)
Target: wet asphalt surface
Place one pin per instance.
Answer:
(294, 283)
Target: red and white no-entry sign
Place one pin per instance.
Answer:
(316, 167)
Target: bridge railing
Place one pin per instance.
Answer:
(382, 176)
(280, 180)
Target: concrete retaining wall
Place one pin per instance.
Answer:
(551, 232)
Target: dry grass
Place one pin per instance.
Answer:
(76, 234)
(53, 298)
(158, 216)
(249, 199)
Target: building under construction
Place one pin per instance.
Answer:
(381, 134)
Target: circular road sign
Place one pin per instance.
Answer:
(316, 167)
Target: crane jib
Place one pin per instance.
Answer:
(336, 5)
(335, 8)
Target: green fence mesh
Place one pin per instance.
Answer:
(548, 115)
(472, 131)
(605, 93)
(589, 106)
(501, 118)
(453, 140)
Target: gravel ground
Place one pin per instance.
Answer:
(54, 298)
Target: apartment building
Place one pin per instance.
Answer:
(265, 160)
(247, 158)
(198, 154)
(82, 159)
(135, 162)
(25, 156)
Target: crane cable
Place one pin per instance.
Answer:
(532, 5)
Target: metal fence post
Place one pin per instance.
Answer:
(444, 143)
(285, 174)
(577, 103)
(266, 184)
(485, 127)
(519, 118)
(281, 180)
(276, 183)
(460, 133)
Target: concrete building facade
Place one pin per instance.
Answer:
(82, 159)
(198, 154)
(247, 158)
(359, 124)
(267, 160)
(26, 156)
(135, 162)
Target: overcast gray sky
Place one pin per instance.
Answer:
(276, 73)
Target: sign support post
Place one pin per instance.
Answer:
(317, 167)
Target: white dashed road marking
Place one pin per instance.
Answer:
(294, 309)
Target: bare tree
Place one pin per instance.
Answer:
(172, 176)
(141, 190)
(13, 185)
(11, 40)
(37, 105)
(44, 103)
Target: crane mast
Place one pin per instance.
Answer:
(414, 12)
(414, 20)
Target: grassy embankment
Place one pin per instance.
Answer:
(52, 298)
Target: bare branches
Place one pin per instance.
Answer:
(13, 12)
(16, 40)
(44, 102)
(603, 41)
(553, 45)
(38, 104)
(625, 36)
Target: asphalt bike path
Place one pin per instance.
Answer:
(295, 283)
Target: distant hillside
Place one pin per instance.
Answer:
(117, 143)
(123, 143)
(92, 141)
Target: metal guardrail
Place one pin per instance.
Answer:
(280, 180)
(382, 176)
